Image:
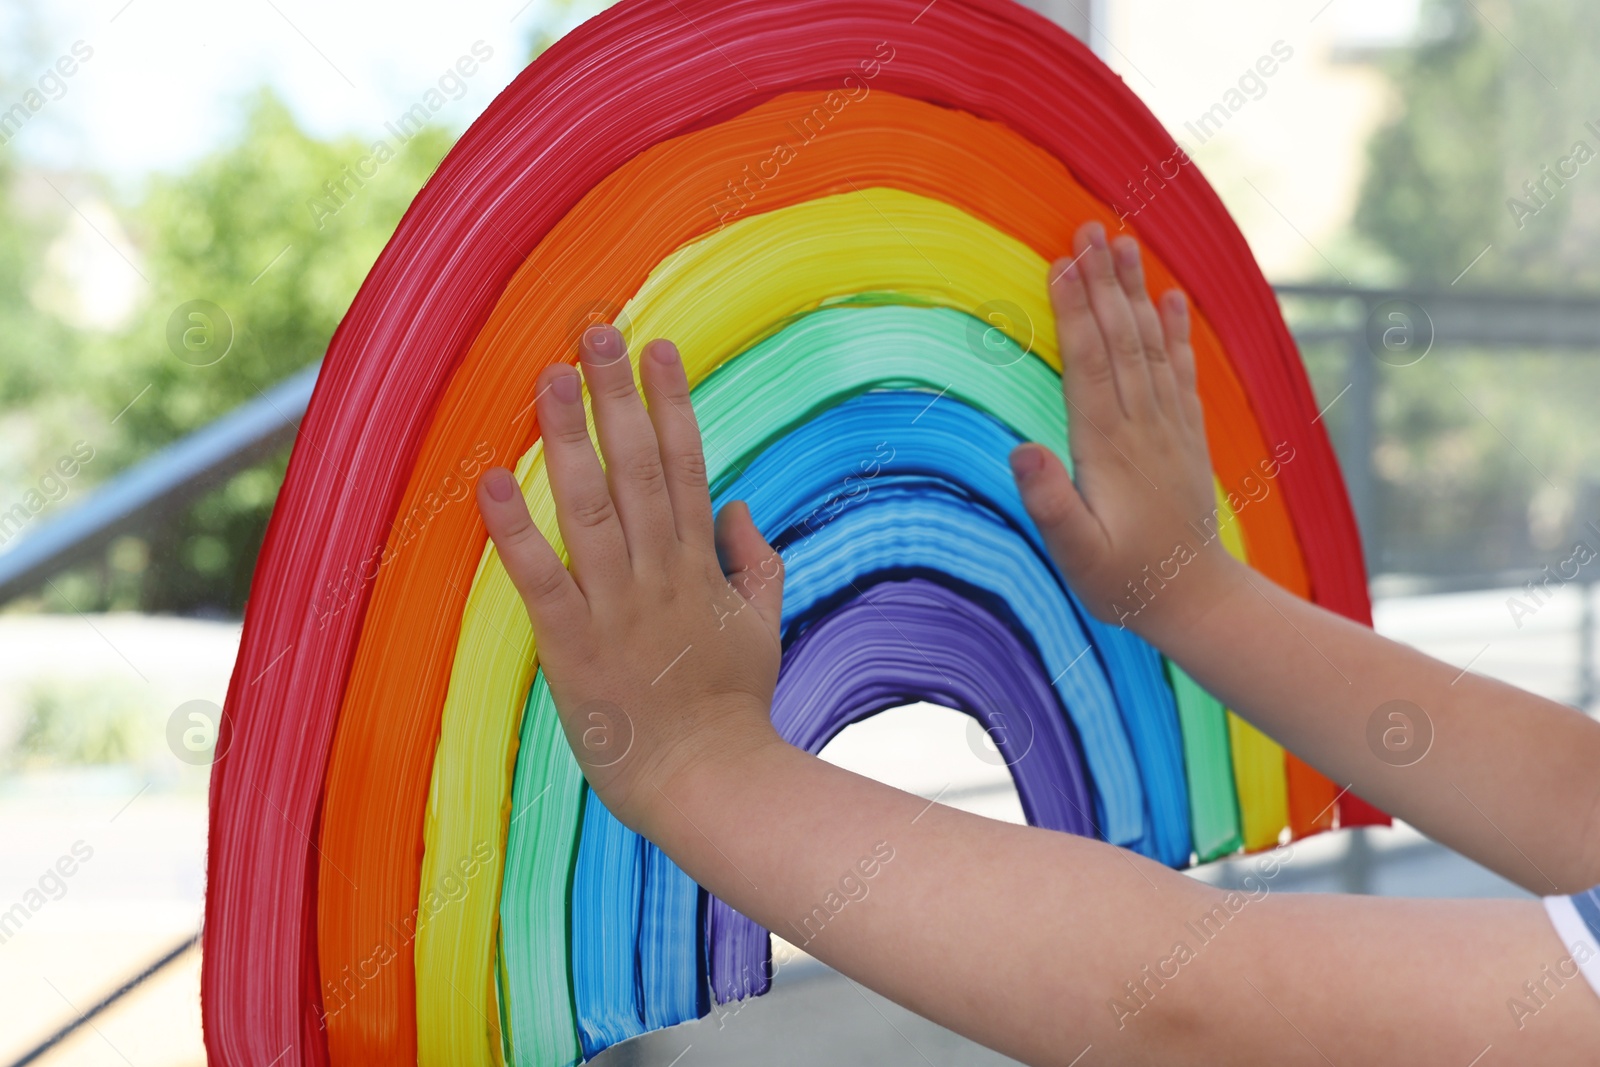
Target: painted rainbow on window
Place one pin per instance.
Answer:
(842, 211)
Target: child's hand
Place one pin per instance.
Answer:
(655, 659)
(1123, 535)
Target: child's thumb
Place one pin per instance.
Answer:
(753, 567)
(1070, 529)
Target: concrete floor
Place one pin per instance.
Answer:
(813, 1015)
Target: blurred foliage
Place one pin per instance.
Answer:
(33, 344)
(78, 723)
(277, 230)
(1493, 93)
(42, 403)
(1478, 463)
(1476, 473)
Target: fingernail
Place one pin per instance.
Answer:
(500, 484)
(1067, 267)
(1176, 303)
(1128, 253)
(601, 342)
(1026, 461)
(665, 352)
(1096, 234)
(565, 387)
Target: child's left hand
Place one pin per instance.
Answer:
(656, 657)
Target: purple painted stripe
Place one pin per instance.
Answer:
(900, 643)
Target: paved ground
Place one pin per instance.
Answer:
(812, 1016)
(140, 892)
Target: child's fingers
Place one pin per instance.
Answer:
(666, 386)
(1175, 326)
(1087, 380)
(1130, 272)
(584, 509)
(1117, 326)
(628, 440)
(1070, 530)
(753, 567)
(552, 597)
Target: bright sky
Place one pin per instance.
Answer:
(165, 78)
(1374, 22)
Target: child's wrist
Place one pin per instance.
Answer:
(702, 769)
(1185, 606)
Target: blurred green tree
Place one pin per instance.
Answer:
(1496, 97)
(38, 351)
(277, 230)
(1489, 160)
(34, 345)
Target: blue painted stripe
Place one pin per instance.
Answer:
(606, 892)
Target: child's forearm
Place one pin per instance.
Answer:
(1495, 772)
(1017, 938)
(1047, 946)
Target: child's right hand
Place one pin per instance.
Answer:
(1131, 536)
(654, 583)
